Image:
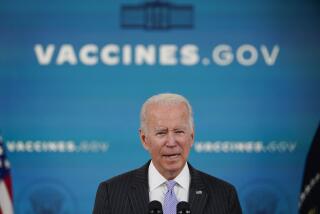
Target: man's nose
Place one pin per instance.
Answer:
(171, 141)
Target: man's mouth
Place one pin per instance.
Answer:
(171, 156)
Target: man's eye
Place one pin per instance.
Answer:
(179, 131)
(160, 133)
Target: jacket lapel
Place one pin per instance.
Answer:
(197, 192)
(139, 193)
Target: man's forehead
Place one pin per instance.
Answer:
(176, 116)
(154, 108)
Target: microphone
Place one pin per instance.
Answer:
(183, 207)
(155, 207)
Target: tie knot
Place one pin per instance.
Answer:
(170, 184)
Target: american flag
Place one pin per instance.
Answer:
(6, 204)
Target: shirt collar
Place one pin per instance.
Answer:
(156, 179)
(183, 179)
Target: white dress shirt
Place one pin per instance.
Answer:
(158, 187)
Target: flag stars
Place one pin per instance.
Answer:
(7, 164)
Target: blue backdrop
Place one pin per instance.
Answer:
(74, 75)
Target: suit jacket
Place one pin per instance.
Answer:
(128, 194)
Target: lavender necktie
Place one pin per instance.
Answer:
(170, 199)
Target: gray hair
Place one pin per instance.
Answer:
(166, 99)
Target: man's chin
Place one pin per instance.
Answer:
(173, 165)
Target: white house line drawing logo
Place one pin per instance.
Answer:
(156, 15)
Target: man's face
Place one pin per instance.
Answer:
(168, 137)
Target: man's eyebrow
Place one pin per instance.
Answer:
(180, 127)
(161, 129)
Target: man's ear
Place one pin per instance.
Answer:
(192, 136)
(144, 139)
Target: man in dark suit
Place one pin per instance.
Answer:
(167, 133)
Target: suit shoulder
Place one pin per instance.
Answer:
(214, 181)
(120, 179)
(112, 194)
(124, 179)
